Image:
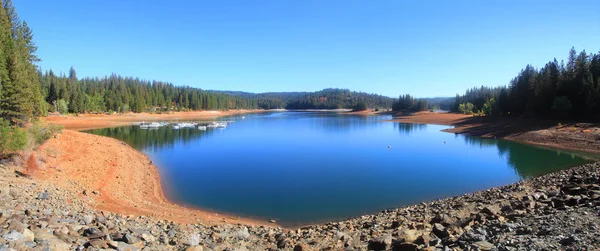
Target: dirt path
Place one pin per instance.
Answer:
(116, 177)
(87, 121)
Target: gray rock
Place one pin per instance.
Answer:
(242, 234)
(13, 236)
(130, 239)
(88, 219)
(484, 245)
(440, 231)
(44, 196)
(147, 237)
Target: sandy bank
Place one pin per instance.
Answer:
(582, 137)
(94, 121)
(120, 178)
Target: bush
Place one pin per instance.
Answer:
(466, 108)
(489, 107)
(11, 138)
(62, 106)
(360, 106)
(41, 133)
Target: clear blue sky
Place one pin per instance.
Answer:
(426, 48)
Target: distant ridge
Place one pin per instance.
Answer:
(330, 98)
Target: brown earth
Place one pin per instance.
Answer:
(584, 137)
(94, 121)
(120, 178)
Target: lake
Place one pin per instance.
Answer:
(310, 167)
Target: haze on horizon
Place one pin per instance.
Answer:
(427, 49)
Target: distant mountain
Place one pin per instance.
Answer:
(331, 98)
(444, 103)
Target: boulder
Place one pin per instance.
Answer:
(58, 245)
(13, 235)
(381, 243)
(147, 237)
(129, 238)
(407, 235)
(195, 248)
(404, 246)
(440, 231)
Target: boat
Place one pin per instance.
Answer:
(184, 125)
(212, 125)
(202, 128)
(144, 126)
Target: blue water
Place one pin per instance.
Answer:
(309, 167)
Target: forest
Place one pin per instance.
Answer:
(558, 90)
(331, 98)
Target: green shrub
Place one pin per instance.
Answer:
(466, 108)
(360, 106)
(40, 133)
(62, 106)
(489, 107)
(11, 138)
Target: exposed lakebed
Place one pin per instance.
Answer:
(307, 167)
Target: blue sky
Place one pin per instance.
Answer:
(425, 48)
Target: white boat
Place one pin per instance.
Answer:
(212, 125)
(144, 126)
(154, 125)
(221, 125)
(202, 128)
(185, 125)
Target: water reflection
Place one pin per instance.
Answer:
(307, 167)
(331, 122)
(153, 139)
(407, 129)
(527, 161)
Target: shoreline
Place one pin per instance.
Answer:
(98, 176)
(556, 211)
(118, 178)
(206, 216)
(578, 137)
(97, 121)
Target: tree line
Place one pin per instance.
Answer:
(557, 90)
(334, 98)
(124, 94)
(409, 103)
(20, 95)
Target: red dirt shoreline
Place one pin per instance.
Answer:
(117, 178)
(581, 137)
(121, 179)
(95, 121)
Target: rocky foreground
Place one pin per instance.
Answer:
(559, 211)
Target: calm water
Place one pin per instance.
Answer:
(311, 167)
